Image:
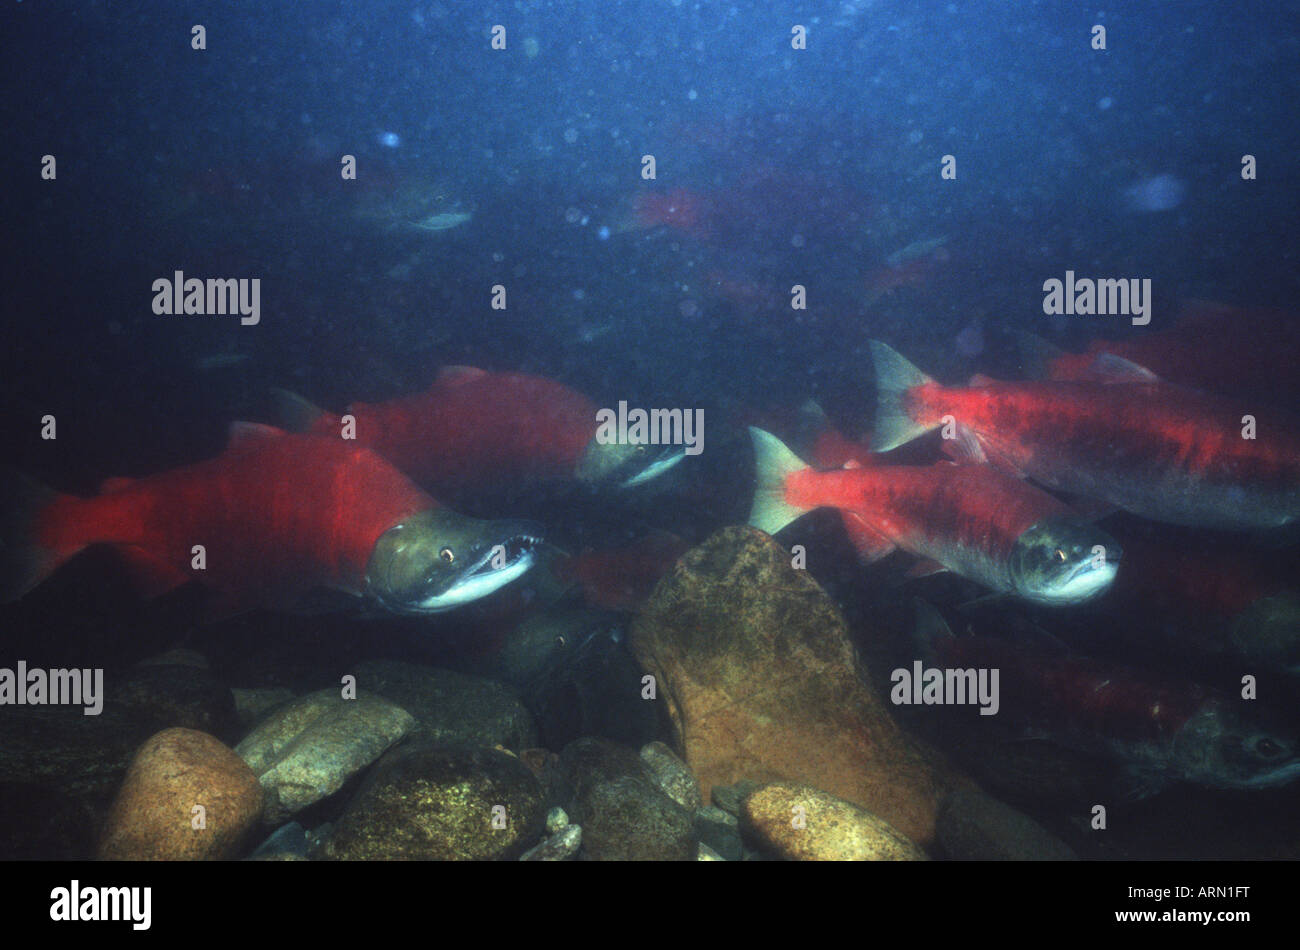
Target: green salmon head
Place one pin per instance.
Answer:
(1223, 748)
(625, 465)
(437, 560)
(1063, 561)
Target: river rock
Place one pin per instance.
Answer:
(548, 769)
(624, 814)
(306, 751)
(799, 823)
(720, 831)
(760, 681)
(287, 843)
(556, 821)
(86, 757)
(974, 826)
(430, 801)
(252, 705)
(172, 773)
(672, 774)
(558, 847)
(729, 798)
(449, 706)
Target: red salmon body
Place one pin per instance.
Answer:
(975, 520)
(1076, 694)
(1153, 449)
(967, 518)
(472, 428)
(1216, 347)
(276, 515)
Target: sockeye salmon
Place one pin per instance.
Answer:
(973, 520)
(1160, 730)
(277, 516)
(473, 428)
(1150, 448)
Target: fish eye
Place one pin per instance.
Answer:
(1059, 554)
(1268, 748)
(448, 555)
(641, 450)
(560, 641)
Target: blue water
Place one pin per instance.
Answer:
(812, 167)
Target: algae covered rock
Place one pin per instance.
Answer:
(624, 814)
(561, 846)
(672, 775)
(186, 797)
(800, 823)
(761, 682)
(450, 706)
(428, 801)
(308, 748)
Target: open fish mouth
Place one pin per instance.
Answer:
(496, 567)
(1272, 778)
(438, 560)
(1086, 581)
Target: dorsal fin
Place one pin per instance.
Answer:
(295, 413)
(979, 379)
(1037, 355)
(117, 483)
(250, 433)
(459, 374)
(1109, 368)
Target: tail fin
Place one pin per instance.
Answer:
(894, 377)
(773, 463)
(294, 413)
(1037, 355)
(24, 562)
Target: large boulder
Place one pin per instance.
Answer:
(429, 801)
(307, 749)
(804, 824)
(450, 706)
(186, 797)
(760, 681)
(624, 813)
